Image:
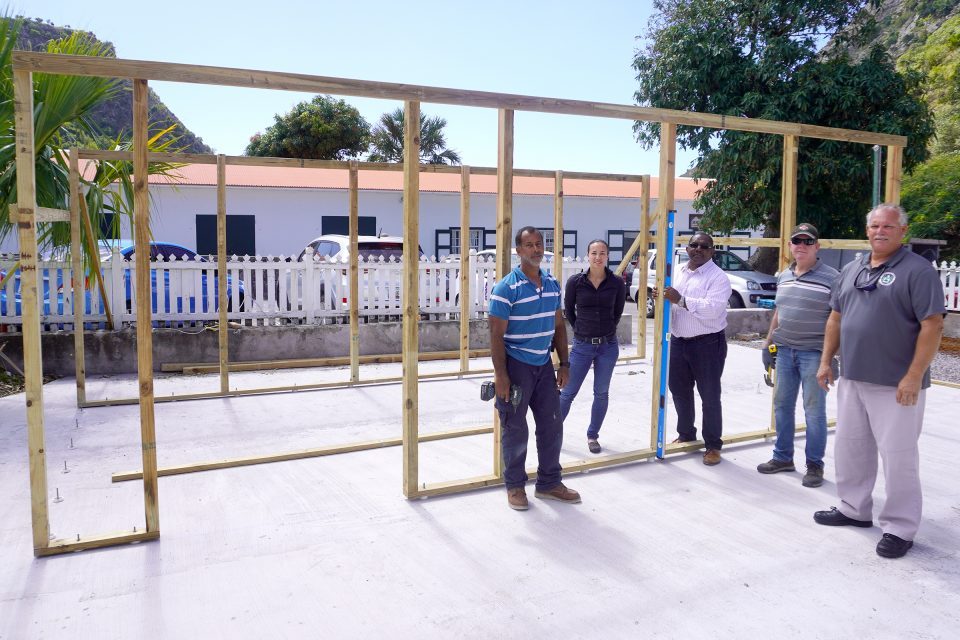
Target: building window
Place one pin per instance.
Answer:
(448, 240)
(340, 225)
(241, 235)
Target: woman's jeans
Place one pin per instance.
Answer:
(603, 357)
(797, 368)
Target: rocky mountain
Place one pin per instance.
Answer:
(114, 117)
(898, 25)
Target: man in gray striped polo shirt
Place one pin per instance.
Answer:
(797, 328)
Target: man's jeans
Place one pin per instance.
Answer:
(698, 361)
(603, 357)
(797, 368)
(539, 385)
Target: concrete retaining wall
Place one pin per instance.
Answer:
(115, 351)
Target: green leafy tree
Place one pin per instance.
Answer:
(938, 59)
(931, 195)
(763, 59)
(62, 106)
(322, 129)
(387, 140)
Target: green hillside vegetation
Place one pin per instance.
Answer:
(114, 118)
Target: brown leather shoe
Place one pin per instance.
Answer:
(561, 493)
(711, 457)
(517, 499)
(681, 441)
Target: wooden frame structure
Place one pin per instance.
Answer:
(140, 72)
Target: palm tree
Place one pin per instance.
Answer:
(387, 140)
(62, 106)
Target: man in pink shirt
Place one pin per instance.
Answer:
(698, 345)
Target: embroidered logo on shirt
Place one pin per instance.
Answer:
(887, 279)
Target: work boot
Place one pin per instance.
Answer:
(593, 445)
(517, 499)
(560, 493)
(814, 476)
(776, 466)
(711, 457)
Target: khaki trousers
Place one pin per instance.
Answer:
(869, 420)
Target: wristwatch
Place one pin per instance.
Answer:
(683, 302)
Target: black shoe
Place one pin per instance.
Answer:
(834, 518)
(813, 477)
(593, 445)
(890, 546)
(776, 466)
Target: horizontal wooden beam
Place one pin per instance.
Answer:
(300, 455)
(300, 363)
(57, 547)
(257, 161)
(231, 77)
(41, 214)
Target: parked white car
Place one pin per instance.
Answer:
(748, 285)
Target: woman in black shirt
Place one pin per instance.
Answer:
(593, 303)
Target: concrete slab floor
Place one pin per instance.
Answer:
(328, 547)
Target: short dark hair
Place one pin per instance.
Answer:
(595, 241)
(705, 235)
(523, 230)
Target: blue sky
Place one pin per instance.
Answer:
(556, 49)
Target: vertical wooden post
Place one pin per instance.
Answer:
(223, 331)
(788, 197)
(643, 257)
(411, 261)
(29, 286)
(558, 227)
(354, 230)
(665, 202)
(464, 269)
(504, 237)
(78, 281)
(894, 173)
(141, 212)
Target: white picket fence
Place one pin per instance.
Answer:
(271, 291)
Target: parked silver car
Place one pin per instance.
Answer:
(748, 285)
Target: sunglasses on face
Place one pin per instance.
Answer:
(700, 245)
(807, 241)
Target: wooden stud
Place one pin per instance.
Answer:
(411, 294)
(197, 74)
(60, 547)
(223, 330)
(465, 263)
(78, 280)
(29, 287)
(643, 258)
(300, 363)
(123, 476)
(894, 173)
(558, 227)
(788, 197)
(354, 230)
(665, 202)
(41, 214)
(504, 237)
(141, 209)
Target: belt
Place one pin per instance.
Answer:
(702, 336)
(598, 340)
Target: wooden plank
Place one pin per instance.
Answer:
(504, 237)
(894, 173)
(411, 294)
(29, 295)
(367, 445)
(42, 214)
(788, 197)
(141, 212)
(665, 202)
(198, 74)
(61, 546)
(78, 279)
(223, 328)
(354, 230)
(643, 259)
(465, 268)
(558, 227)
(301, 363)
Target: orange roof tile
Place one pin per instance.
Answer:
(297, 178)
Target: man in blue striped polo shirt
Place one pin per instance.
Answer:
(797, 328)
(525, 321)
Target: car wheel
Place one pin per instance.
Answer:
(735, 302)
(651, 305)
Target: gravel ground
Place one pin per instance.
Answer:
(946, 365)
